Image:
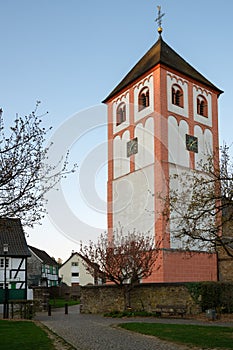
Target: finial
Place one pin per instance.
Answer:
(159, 20)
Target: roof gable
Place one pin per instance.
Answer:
(43, 256)
(11, 233)
(73, 255)
(83, 258)
(161, 53)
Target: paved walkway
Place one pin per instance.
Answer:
(94, 332)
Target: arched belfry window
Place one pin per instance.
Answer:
(202, 106)
(177, 96)
(143, 99)
(121, 114)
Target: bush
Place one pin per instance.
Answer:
(212, 295)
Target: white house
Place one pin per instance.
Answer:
(74, 271)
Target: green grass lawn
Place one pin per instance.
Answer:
(202, 336)
(61, 302)
(24, 335)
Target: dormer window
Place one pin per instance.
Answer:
(202, 106)
(121, 114)
(177, 96)
(143, 99)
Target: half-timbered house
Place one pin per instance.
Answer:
(13, 260)
(42, 269)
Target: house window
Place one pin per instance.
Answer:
(202, 106)
(177, 96)
(121, 114)
(143, 99)
(74, 264)
(75, 274)
(2, 263)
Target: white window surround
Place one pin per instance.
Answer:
(149, 83)
(197, 117)
(183, 84)
(124, 98)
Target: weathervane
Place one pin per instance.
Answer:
(159, 20)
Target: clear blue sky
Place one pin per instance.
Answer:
(71, 54)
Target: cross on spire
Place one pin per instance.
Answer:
(159, 20)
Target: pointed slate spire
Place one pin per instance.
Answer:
(161, 53)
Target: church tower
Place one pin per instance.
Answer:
(162, 118)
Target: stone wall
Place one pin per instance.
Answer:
(33, 271)
(41, 295)
(65, 292)
(225, 262)
(101, 299)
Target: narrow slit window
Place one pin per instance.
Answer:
(202, 106)
(143, 99)
(177, 96)
(121, 114)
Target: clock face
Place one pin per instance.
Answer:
(132, 147)
(192, 143)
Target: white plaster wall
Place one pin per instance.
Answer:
(205, 146)
(65, 273)
(178, 154)
(84, 276)
(145, 135)
(125, 161)
(66, 270)
(175, 79)
(178, 243)
(29, 294)
(207, 94)
(133, 202)
(2, 275)
(19, 284)
(146, 82)
(116, 157)
(121, 163)
(20, 276)
(15, 262)
(122, 98)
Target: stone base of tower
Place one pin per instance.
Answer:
(182, 266)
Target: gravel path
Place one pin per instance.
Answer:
(94, 332)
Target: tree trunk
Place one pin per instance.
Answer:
(127, 300)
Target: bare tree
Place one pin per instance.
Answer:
(124, 260)
(200, 205)
(25, 175)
